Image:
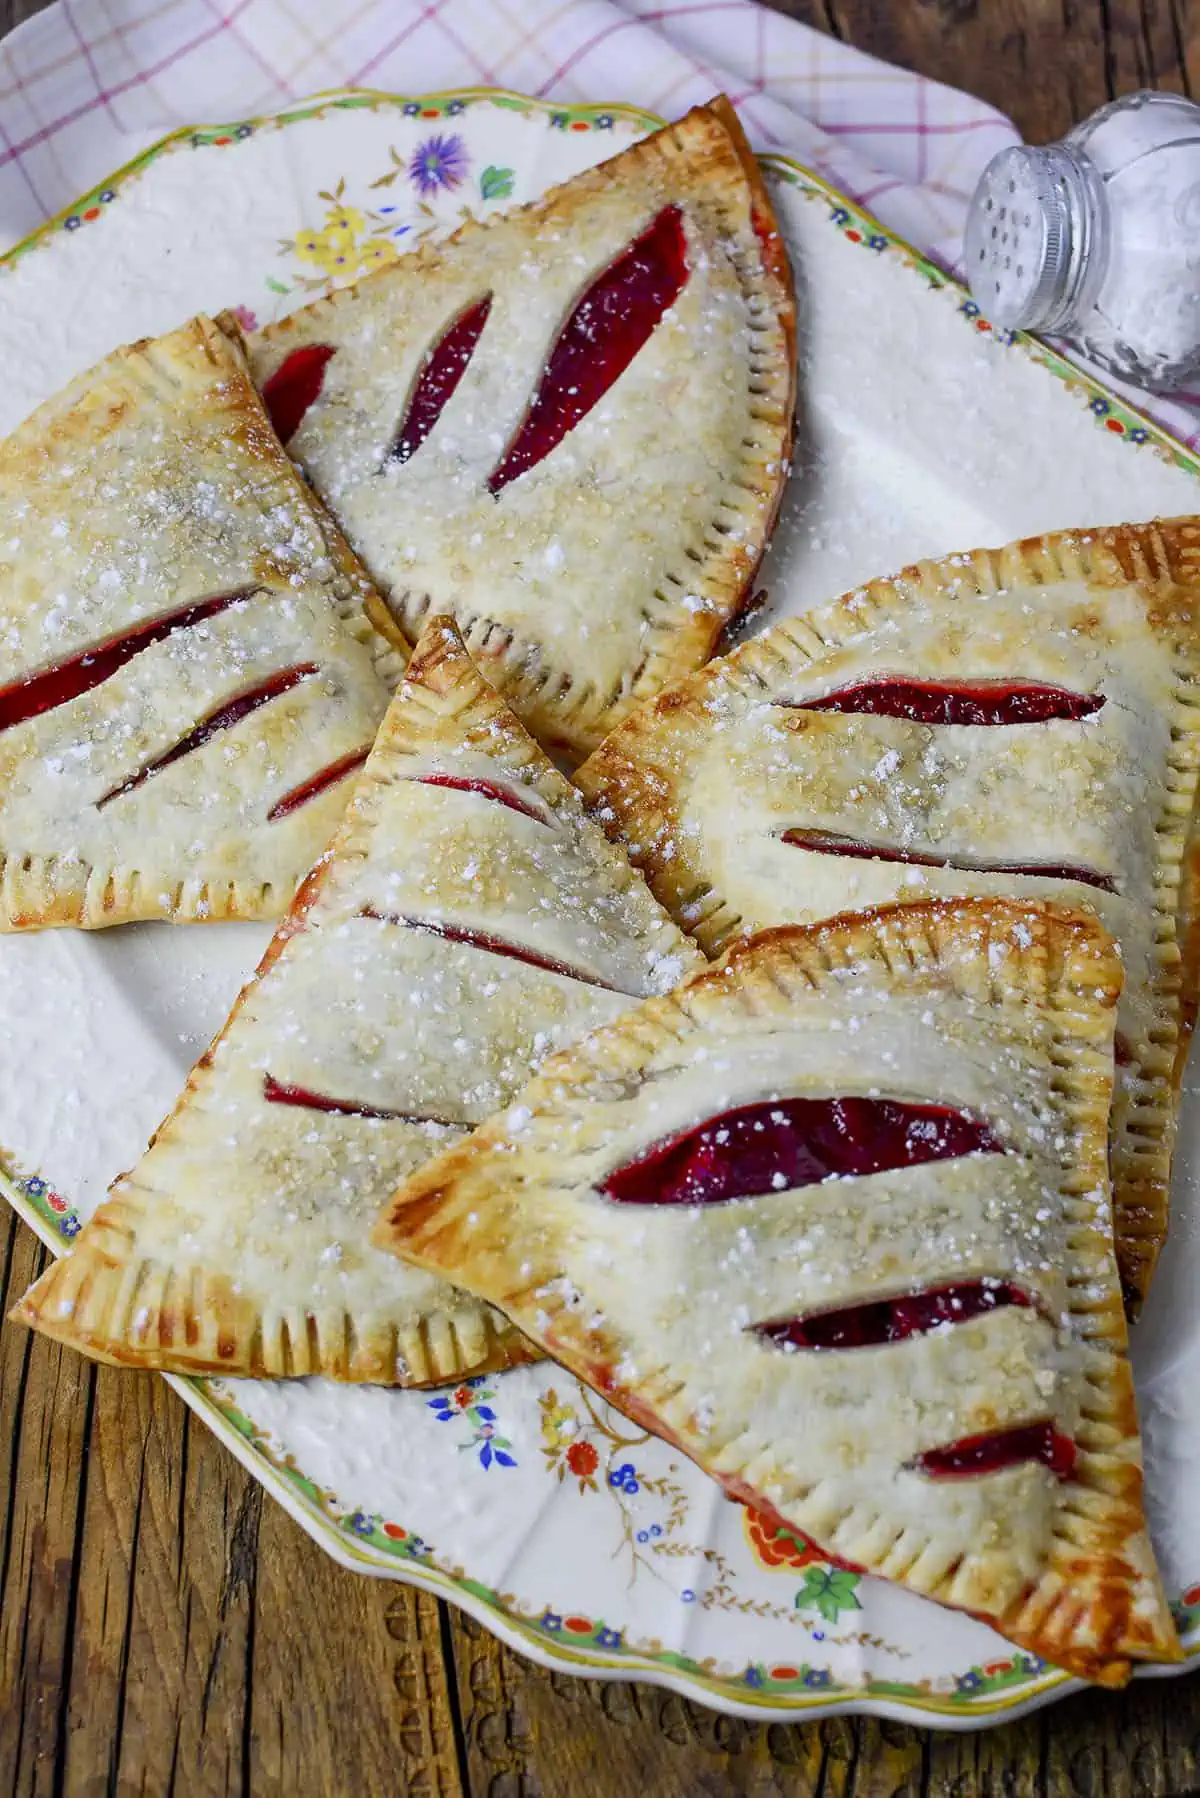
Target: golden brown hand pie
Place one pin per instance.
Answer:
(834, 1218)
(569, 426)
(187, 673)
(467, 920)
(1022, 721)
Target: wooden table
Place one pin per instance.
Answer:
(164, 1629)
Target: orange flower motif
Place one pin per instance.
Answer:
(775, 1545)
(582, 1459)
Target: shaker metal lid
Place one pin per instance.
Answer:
(1018, 238)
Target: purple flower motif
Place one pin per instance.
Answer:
(438, 162)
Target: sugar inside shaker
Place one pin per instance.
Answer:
(1097, 239)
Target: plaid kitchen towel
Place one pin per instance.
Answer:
(87, 84)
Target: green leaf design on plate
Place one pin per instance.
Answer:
(829, 1590)
(496, 184)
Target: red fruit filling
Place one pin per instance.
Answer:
(958, 702)
(893, 1320)
(487, 789)
(494, 945)
(794, 1142)
(317, 783)
(65, 681)
(612, 321)
(224, 718)
(995, 1449)
(831, 842)
(442, 370)
(296, 383)
(276, 1092)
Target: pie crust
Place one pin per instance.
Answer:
(1000, 1008)
(372, 1034)
(166, 577)
(611, 566)
(701, 784)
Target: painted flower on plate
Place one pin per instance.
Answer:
(582, 1459)
(773, 1544)
(439, 162)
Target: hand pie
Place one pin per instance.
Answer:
(1021, 721)
(834, 1218)
(467, 920)
(570, 425)
(187, 672)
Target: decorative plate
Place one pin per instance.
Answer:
(574, 1536)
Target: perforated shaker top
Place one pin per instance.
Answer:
(1018, 239)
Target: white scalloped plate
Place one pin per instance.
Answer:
(578, 1539)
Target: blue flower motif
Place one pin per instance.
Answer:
(687, 1595)
(624, 1478)
(608, 1638)
(1100, 406)
(656, 1529)
(753, 1676)
(73, 223)
(107, 194)
(35, 1186)
(416, 1545)
(551, 1622)
(243, 131)
(455, 107)
(643, 1535)
(969, 1682)
(1138, 435)
(604, 121)
(877, 242)
(839, 215)
(412, 109)
(817, 1677)
(818, 1635)
(969, 308)
(70, 1226)
(361, 1524)
(438, 162)
(559, 121)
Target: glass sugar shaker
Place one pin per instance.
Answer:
(1097, 239)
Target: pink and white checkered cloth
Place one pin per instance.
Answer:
(87, 84)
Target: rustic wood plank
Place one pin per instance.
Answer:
(46, 1402)
(1046, 63)
(350, 1692)
(157, 1694)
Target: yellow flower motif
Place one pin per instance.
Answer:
(560, 1424)
(344, 246)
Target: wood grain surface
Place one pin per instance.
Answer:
(165, 1629)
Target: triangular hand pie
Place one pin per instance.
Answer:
(187, 672)
(570, 425)
(834, 1218)
(467, 920)
(1022, 721)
